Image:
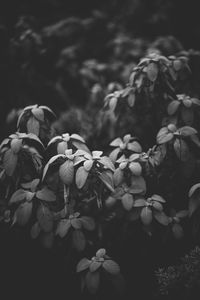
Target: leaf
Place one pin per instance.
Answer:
(187, 115)
(51, 161)
(187, 131)
(81, 177)
(16, 145)
(83, 265)
(62, 146)
(66, 172)
(78, 137)
(177, 231)
(113, 154)
(18, 196)
(96, 154)
(164, 136)
(157, 205)
(181, 149)
(127, 201)
(45, 218)
(193, 189)
(23, 213)
(106, 161)
(101, 253)
(63, 227)
(118, 176)
(152, 71)
(107, 180)
(35, 230)
(131, 99)
(38, 113)
(139, 203)
(194, 204)
(80, 146)
(33, 126)
(195, 101)
(138, 183)
(134, 146)
(95, 265)
(161, 217)
(116, 143)
(182, 214)
(10, 162)
(46, 194)
(88, 165)
(146, 215)
(79, 241)
(113, 103)
(158, 198)
(76, 223)
(135, 168)
(43, 107)
(173, 106)
(88, 223)
(92, 281)
(111, 267)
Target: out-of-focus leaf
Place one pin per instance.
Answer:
(127, 201)
(177, 231)
(146, 215)
(111, 267)
(18, 196)
(88, 223)
(95, 265)
(63, 227)
(10, 162)
(181, 149)
(173, 106)
(161, 217)
(45, 218)
(47, 239)
(23, 213)
(193, 189)
(79, 241)
(76, 223)
(35, 230)
(83, 265)
(194, 203)
(187, 115)
(92, 281)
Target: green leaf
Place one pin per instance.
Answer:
(146, 216)
(173, 106)
(79, 241)
(88, 223)
(111, 267)
(181, 149)
(45, 218)
(81, 177)
(92, 281)
(161, 217)
(63, 227)
(107, 180)
(35, 230)
(33, 126)
(83, 265)
(152, 71)
(10, 160)
(127, 201)
(193, 189)
(95, 265)
(118, 176)
(46, 194)
(18, 196)
(38, 113)
(66, 172)
(177, 231)
(23, 213)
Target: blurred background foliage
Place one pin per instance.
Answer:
(61, 52)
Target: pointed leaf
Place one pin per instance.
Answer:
(106, 161)
(95, 265)
(88, 165)
(193, 189)
(161, 217)
(187, 131)
(146, 216)
(46, 194)
(38, 113)
(152, 71)
(107, 180)
(66, 172)
(116, 143)
(113, 155)
(76, 223)
(127, 201)
(33, 126)
(134, 146)
(18, 196)
(173, 106)
(63, 227)
(118, 176)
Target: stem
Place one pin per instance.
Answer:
(66, 200)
